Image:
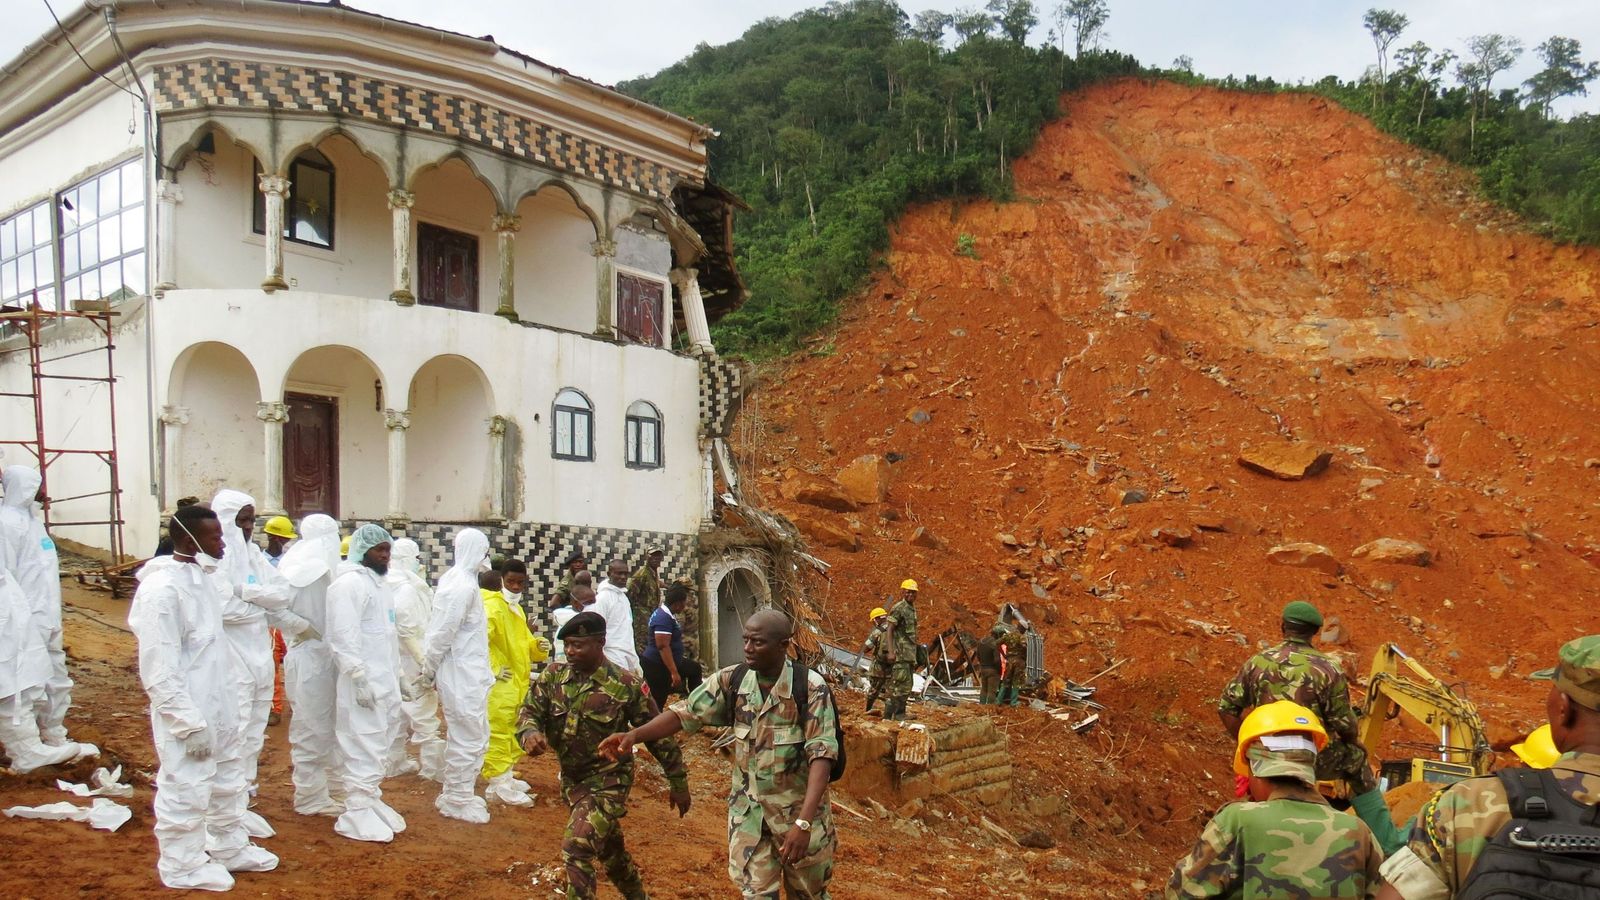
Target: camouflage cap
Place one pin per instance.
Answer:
(1578, 672)
(1302, 613)
(1301, 765)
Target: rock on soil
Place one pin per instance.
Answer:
(1304, 555)
(822, 528)
(866, 480)
(1392, 550)
(1288, 461)
(814, 490)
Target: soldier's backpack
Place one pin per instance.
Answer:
(800, 689)
(1550, 848)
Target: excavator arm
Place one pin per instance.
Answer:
(1399, 684)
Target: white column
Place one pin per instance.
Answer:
(605, 253)
(694, 310)
(708, 479)
(400, 203)
(274, 188)
(168, 196)
(505, 232)
(272, 414)
(397, 421)
(497, 469)
(173, 418)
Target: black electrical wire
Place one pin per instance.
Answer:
(63, 29)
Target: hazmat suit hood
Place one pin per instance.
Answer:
(235, 564)
(316, 553)
(406, 556)
(21, 485)
(472, 552)
(365, 538)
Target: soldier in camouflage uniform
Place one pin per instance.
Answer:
(1015, 677)
(1455, 827)
(902, 639)
(573, 707)
(780, 828)
(1284, 842)
(876, 649)
(644, 594)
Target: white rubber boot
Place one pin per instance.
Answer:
(27, 752)
(501, 790)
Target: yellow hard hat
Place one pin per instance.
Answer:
(908, 585)
(344, 546)
(280, 526)
(1538, 750)
(1280, 717)
(876, 612)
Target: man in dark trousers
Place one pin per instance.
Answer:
(667, 668)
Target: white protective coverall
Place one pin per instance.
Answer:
(308, 673)
(24, 669)
(366, 652)
(611, 602)
(187, 671)
(257, 596)
(28, 553)
(413, 609)
(456, 659)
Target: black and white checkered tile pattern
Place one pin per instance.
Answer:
(721, 393)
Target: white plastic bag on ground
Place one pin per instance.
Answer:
(106, 815)
(106, 784)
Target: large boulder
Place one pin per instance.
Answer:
(1290, 461)
(814, 490)
(1393, 550)
(1305, 555)
(866, 480)
(822, 528)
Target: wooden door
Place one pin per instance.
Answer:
(639, 309)
(311, 456)
(447, 268)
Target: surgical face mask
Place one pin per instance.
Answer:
(515, 599)
(207, 563)
(484, 566)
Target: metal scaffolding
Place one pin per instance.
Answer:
(31, 322)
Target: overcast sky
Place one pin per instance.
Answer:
(612, 40)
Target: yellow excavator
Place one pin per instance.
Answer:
(1399, 684)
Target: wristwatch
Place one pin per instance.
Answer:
(803, 824)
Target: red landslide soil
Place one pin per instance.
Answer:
(1183, 273)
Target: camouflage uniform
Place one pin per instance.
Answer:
(1016, 674)
(772, 756)
(644, 594)
(1294, 671)
(903, 620)
(1291, 845)
(1456, 825)
(575, 713)
(877, 650)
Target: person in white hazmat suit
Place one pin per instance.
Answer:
(24, 669)
(366, 651)
(456, 662)
(186, 669)
(308, 672)
(258, 598)
(413, 609)
(28, 553)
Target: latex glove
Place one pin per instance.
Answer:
(425, 678)
(198, 744)
(309, 633)
(504, 674)
(407, 692)
(363, 691)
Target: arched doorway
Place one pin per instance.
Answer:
(335, 443)
(212, 436)
(739, 595)
(447, 452)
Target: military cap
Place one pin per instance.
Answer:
(574, 556)
(582, 625)
(1578, 672)
(1299, 764)
(1302, 613)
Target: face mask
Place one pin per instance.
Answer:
(484, 566)
(514, 599)
(207, 563)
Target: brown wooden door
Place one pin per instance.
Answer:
(639, 309)
(447, 268)
(311, 456)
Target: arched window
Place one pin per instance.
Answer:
(308, 210)
(573, 434)
(643, 436)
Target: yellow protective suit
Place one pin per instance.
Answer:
(511, 651)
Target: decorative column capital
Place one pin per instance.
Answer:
(272, 411)
(397, 419)
(172, 416)
(497, 425)
(169, 191)
(401, 199)
(507, 224)
(276, 185)
(605, 247)
(682, 278)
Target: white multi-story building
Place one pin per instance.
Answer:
(373, 269)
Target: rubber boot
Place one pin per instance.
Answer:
(891, 709)
(871, 699)
(1371, 809)
(27, 752)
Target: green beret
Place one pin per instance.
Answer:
(582, 625)
(1302, 613)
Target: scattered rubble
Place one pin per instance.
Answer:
(1391, 550)
(1303, 555)
(1285, 461)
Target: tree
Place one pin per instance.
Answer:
(1088, 19)
(930, 25)
(1184, 63)
(1384, 25)
(970, 23)
(1491, 55)
(1016, 18)
(1564, 74)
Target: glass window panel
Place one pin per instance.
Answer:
(110, 192)
(44, 268)
(564, 432)
(8, 279)
(69, 254)
(25, 282)
(632, 441)
(69, 217)
(110, 237)
(47, 297)
(133, 272)
(88, 201)
(580, 435)
(110, 279)
(41, 224)
(88, 286)
(132, 183)
(8, 238)
(132, 230)
(648, 451)
(88, 248)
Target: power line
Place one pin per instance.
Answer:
(99, 74)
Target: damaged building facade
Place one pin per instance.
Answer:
(383, 271)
